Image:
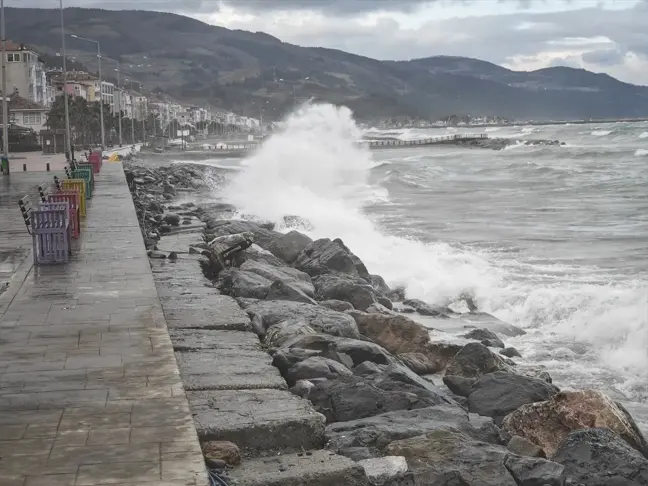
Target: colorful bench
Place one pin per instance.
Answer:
(84, 173)
(73, 185)
(72, 198)
(50, 230)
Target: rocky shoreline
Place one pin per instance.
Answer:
(405, 405)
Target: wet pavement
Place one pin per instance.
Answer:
(90, 391)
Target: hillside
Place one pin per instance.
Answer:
(254, 72)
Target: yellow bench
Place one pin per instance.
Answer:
(78, 185)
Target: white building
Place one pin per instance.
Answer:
(108, 95)
(26, 73)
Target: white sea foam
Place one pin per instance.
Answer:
(601, 133)
(314, 170)
(641, 152)
(643, 135)
(493, 129)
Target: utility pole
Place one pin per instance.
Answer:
(68, 134)
(5, 105)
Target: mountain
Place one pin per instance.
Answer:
(255, 72)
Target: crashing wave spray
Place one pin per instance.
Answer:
(314, 169)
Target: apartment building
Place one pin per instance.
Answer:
(26, 73)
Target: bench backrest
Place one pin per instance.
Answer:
(44, 192)
(72, 198)
(26, 211)
(55, 216)
(74, 185)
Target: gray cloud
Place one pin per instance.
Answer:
(604, 57)
(342, 7)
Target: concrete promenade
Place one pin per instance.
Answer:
(90, 392)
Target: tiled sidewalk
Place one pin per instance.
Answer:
(89, 388)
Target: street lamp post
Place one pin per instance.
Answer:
(5, 105)
(132, 111)
(68, 135)
(119, 91)
(103, 132)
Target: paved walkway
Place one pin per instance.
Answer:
(89, 388)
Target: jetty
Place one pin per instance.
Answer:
(393, 143)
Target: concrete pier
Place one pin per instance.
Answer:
(387, 144)
(90, 392)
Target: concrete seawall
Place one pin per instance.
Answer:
(234, 391)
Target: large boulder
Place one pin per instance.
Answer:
(598, 457)
(285, 332)
(498, 394)
(337, 305)
(222, 227)
(281, 273)
(288, 291)
(324, 320)
(357, 263)
(484, 320)
(450, 457)
(355, 397)
(350, 352)
(475, 360)
(548, 423)
(344, 287)
(316, 367)
(426, 309)
(325, 256)
(289, 246)
(376, 432)
(401, 335)
(238, 283)
(379, 285)
(486, 337)
(386, 471)
(535, 472)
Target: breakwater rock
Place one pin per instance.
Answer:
(369, 386)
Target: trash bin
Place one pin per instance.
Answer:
(4, 165)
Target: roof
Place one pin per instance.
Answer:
(13, 46)
(17, 103)
(77, 76)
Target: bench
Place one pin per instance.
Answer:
(72, 198)
(73, 185)
(84, 173)
(50, 229)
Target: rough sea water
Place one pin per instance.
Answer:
(553, 239)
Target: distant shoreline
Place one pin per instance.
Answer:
(533, 123)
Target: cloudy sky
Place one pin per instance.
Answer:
(600, 35)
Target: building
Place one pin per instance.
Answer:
(26, 113)
(26, 73)
(79, 83)
(108, 95)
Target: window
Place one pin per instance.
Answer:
(32, 118)
(13, 57)
(12, 118)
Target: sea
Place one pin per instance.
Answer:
(553, 239)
